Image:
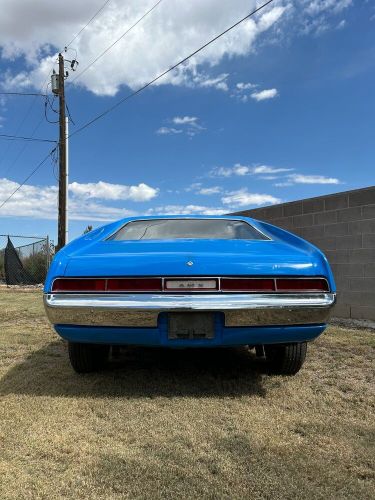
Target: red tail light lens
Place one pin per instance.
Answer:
(302, 285)
(78, 285)
(107, 285)
(247, 285)
(134, 285)
(250, 285)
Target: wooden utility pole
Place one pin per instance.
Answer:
(62, 223)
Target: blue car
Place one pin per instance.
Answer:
(189, 281)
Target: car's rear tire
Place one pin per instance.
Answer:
(86, 358)
(285, 359)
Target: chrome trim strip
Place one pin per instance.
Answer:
(142, 310)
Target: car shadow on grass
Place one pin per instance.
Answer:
(138, 372)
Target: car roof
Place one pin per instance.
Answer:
(186, 216)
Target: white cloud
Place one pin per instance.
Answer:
(210, 190)
(168, 131)
(292, 179)
(171, 31)
(245, 86)
(265, 169)
(198, 188)
(193, 187)
(242, 198)
(237, 169)
(312, 179)
(187, 210)
(19, 81)
(341, 24)
(36, 30)
(262, 95)
(283, 184)
(218, 82)
(221, 172)
(240, 91)
(183, 120)
(270, 17)
(314, 7)
(40, 202)
(319, 14)
(189, 124)
(107, 191)
(241, 170)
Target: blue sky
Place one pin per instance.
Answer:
(281, 110)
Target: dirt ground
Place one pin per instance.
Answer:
(182, 424)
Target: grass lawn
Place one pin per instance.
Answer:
(182, 424)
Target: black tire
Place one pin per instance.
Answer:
(285, 359)
(86, 358)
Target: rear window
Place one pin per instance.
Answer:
(170, 229)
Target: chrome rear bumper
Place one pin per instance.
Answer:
(142, 310)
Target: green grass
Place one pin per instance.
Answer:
(182, 424)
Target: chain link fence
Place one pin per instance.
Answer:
(24, 260)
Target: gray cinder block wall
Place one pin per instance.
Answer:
(342, 225)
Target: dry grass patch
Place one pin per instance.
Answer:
(182, 424)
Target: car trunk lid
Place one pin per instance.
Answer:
(190, 258)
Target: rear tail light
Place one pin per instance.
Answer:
(302, 285)
(134, 285)
(107, 285)
(247, 285)
(78, 285)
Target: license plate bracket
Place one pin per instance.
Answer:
(191, 325)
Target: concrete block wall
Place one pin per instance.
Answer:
(342, 225)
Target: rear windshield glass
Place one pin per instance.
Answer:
(169, 229)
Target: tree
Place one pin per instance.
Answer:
(87, 230)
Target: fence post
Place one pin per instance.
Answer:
(48, 252)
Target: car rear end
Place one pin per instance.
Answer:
(205, 287)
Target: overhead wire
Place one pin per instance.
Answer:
(28, 111)
(133, 94)
(88, 23)
(28, 177)
(21, 151)
(23, 94)
(69, 114)
(171, 68)
(116, 41)
(48, 103)
(22, 138)
(18, 129)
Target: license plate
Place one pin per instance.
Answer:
(190, 285)
(198, 325)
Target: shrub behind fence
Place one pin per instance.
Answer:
(29, 263)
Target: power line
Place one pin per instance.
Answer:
(182, 61)
(69, 114)
(48, 103)
(22, 138)
(23, 148)
(28, 177)
(116, 41)
(28, 111)
(18, 129)
(89, 22)
(23, 94)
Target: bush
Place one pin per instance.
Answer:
(36, 266)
